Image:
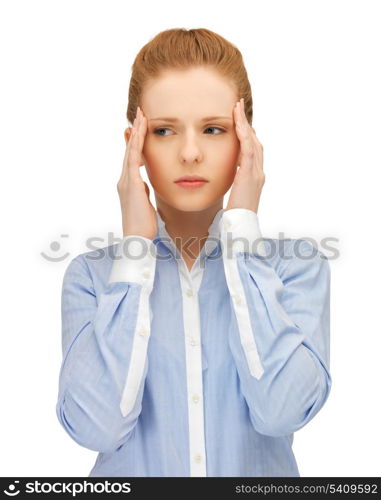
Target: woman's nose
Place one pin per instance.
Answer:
(190, 151)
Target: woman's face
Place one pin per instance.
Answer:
(188, 143)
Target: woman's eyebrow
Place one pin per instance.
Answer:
(206, 119)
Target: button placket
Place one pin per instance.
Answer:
(191, 318)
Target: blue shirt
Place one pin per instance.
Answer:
(167, 372)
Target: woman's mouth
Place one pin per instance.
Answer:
(191, 184)
(191, 181)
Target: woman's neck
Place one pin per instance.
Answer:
(191, 227)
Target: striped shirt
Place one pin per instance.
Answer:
(207, 372)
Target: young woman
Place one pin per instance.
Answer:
(194, 347)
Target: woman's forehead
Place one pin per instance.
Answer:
(193, 88)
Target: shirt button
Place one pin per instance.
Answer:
(227, 225)
(143, 332)
(195, 398)
(189, 292)
(146, 273)
(198, 458)
(193, 341)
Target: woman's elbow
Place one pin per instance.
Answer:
(284, 422)
(86, 432)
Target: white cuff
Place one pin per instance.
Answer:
(135, 261)
(240, 232)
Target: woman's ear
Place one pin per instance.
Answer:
(127, 134)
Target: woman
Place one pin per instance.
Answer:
(193, 347)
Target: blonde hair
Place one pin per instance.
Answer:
(181, 48)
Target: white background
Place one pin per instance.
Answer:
(314, 68)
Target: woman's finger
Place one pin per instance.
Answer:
(133, 160)
(141, 132)
(127, 150)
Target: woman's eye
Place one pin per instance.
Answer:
(158, 130)
(216, 128)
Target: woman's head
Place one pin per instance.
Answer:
(189, 75)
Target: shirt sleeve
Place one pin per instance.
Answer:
(280, 342)
(104, 346)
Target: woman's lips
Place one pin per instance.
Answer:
(191, 184)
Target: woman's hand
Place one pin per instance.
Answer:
(249, 179)
(138, 213)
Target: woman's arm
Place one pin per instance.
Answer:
(104, 344)
(281, 327)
